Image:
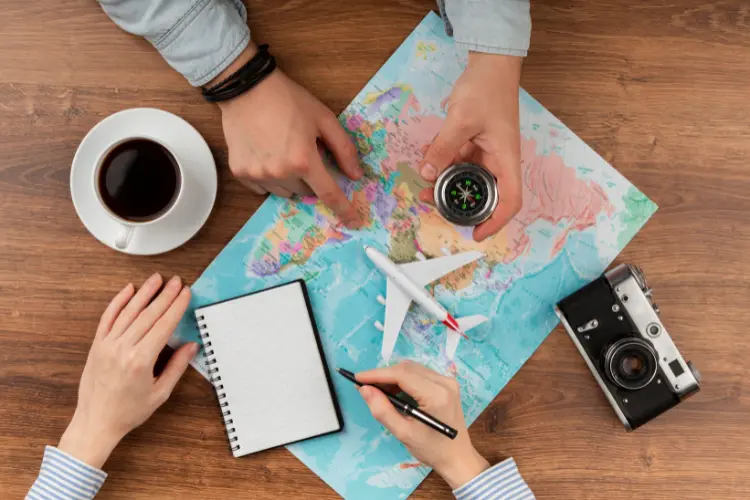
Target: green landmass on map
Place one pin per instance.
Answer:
(638, 209)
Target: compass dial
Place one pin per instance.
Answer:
(466, 194)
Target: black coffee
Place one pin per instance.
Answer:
(139, 180)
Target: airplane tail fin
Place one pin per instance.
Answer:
(466, 323)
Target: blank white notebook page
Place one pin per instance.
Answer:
(271, 369)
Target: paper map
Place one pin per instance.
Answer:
(578, 213)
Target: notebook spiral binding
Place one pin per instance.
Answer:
(215, 379)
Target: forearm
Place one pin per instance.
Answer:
(64, 477)
(503, 481)
(198, 38)
(493, 26)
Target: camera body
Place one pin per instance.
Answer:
(615, 325)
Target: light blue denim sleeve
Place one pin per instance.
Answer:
(501, 482)
(198, 38)
(494, 26)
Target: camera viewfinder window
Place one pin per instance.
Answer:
(676, 368)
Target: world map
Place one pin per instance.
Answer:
(578, 213)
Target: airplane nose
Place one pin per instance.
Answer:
(372, 254)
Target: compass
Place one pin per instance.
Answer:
(466, 194)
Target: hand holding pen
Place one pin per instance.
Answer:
(455, 460)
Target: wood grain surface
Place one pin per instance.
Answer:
(660, 88)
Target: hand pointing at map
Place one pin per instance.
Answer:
(482, 127)
(273, 134)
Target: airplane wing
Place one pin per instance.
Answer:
(426, 271)
(396, 307)
(466, 323)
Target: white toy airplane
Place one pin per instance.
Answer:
(405, 283)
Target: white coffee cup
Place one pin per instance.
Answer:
(128, 227)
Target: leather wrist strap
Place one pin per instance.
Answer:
(248, 76)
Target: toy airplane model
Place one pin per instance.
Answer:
(405, 283)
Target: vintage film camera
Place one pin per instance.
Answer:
(615, 325)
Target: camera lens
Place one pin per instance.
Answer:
(632, 366)
(631, 363)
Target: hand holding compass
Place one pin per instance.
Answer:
(482, 128)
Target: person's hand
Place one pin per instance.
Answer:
(272, 132)
(482, 127)
(455, 460)
(118, 390)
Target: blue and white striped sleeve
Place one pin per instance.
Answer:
(63, 477)
(501, 482)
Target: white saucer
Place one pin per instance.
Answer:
(200, 183)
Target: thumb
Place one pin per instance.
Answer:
(174, 370)
(384, 412)
(446, 147)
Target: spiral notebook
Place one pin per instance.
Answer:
(267, 365)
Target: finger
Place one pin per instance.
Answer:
(252, 186)
(136, 305)
(427, 195)
(446, 147)
(385, 413)
(113, 310)
(151, 314)
(467, 152)
(156, 338)
(413, 378)
(173, 372)
(321, 182)
(510, 197)
(338, 141)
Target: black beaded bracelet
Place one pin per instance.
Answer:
(248, 76)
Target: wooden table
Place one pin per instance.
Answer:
(661, 89)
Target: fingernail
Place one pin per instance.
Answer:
(154, 278)
(429, 172)
(194, 349)
(175, 282)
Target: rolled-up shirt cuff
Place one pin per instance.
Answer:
(489, 49)
(503, 481)
(493, 26)
(205, 40)
(63, 476)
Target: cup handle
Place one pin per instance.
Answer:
(124, 236)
